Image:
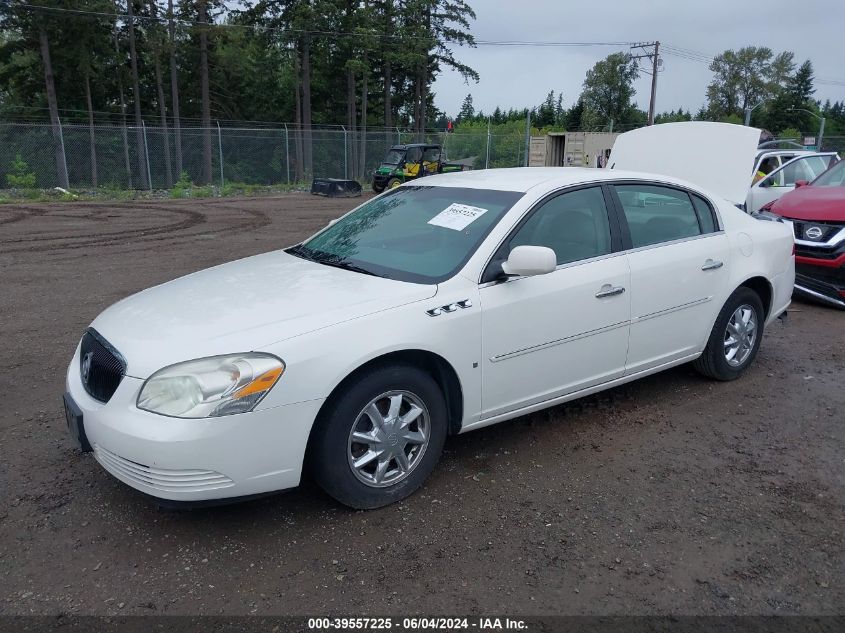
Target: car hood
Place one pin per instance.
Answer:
(821, 204)
(718, 157)
(242, 306)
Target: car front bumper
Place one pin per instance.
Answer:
(820, 263)
(193, 460)
(820, 282)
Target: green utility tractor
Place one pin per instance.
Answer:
(409, 162)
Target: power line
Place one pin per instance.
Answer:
(675, 51)
(698, 56)
(261, 27)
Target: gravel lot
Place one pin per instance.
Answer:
(670, 495)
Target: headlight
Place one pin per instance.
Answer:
(211, 387)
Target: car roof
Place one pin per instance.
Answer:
(525, 178)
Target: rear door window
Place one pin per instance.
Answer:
(658, 214)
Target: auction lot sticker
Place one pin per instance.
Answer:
(457, 216)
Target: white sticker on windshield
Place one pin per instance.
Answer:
(457, 216)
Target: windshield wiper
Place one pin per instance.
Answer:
(328, 260)
(346, 265)
(302, 251)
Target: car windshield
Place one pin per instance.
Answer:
(394, 157)
(416, 234)
(833, 177)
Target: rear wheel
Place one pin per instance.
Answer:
(393, 183)
(735, 337)
(380, 438)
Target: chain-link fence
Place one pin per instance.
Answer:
(834, 144)
(149, 157)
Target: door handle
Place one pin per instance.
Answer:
(712, 264)
(608, 291)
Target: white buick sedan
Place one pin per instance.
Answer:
(437, 308)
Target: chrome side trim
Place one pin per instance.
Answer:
(820, 296)
(683, 306)
(574, 395)
(560, 341)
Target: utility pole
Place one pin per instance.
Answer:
(487, 160)
(654, 56)
(527, 137)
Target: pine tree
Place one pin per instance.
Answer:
(467, 110)
(560, 113)
(573, 116)
(800, 86)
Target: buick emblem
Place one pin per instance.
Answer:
(813, 233)
(85, 369)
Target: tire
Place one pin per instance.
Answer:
(334, 447)
(716, 362)
(377, 189)
(393, 183)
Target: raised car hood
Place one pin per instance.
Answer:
(242, 306)
(820, 204)
(718, 157)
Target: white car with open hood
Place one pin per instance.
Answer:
(433, 309)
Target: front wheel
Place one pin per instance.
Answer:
(735, 337)
(377, 188)
(379, 440)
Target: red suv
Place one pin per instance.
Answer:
(817, 213)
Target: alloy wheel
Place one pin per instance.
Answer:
(388, 439)
(740, 335)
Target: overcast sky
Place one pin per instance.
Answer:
(517, 77)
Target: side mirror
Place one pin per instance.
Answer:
(801, 183)
(528, 261)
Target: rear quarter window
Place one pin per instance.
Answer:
(706, 217)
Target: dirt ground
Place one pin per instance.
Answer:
(673, 494)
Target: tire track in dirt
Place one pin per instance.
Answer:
(15, 216)
(65, 247)
(51, 242)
